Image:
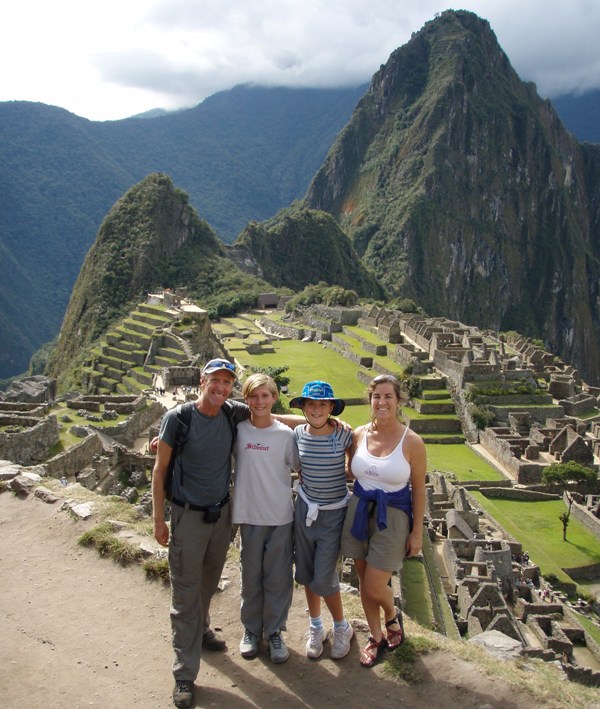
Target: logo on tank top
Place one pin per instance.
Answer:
(256, 447)
(371, 471)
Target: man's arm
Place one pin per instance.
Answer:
(163, 457)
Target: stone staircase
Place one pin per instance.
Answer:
(137, 349)
(441, 424)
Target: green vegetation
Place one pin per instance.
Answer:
(308, 361)
(103, 538)
(322, 293)
(400, 664)
(313, 239)
(460, 461)
(482, 417)
(537, 527)
(560, 474)
(156, 569)
(415, 592)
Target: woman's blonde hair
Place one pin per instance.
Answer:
(258, 380)
(386, 379)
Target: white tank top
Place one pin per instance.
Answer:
(389, 472)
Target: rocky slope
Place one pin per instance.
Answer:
(459, 187)
(149, 239)
(300, 247)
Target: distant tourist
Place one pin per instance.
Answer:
(385, 514)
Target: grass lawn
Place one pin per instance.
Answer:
(415, 591)
(307, 361)
(537, 526)
(459, 459)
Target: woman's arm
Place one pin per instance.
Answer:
(418, 470)
(357, 437)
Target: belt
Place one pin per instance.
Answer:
(199, 508)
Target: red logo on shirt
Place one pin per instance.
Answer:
(256, 447)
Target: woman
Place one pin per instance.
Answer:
(385, 514)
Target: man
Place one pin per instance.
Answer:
(200, 518)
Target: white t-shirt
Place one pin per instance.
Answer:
(264, 459)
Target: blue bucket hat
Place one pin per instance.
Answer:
(319, 391)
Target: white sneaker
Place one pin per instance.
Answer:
(249, 644)
(341, 642)
(314, 644)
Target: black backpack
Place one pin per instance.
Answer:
(184, 419)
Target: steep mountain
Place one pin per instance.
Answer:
(299, 247)
(460, 188)
(240, 155)
(149, 235)
(151, 239)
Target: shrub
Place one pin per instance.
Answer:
(482, 417)
(157, 569)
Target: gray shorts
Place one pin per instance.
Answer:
(317, 549)
(385, 548)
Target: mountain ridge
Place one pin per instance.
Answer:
(446, 167)
(461, 188)
(61, 174)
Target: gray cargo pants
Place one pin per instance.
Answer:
(197, 553)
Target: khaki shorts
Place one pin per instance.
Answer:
(385, 548)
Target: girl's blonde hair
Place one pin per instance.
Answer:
(258, 380)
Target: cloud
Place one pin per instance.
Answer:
(112, 59)
(282, 42)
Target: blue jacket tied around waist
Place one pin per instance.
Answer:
(401, 500)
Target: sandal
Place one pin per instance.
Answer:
(372, 652)
(395, 638)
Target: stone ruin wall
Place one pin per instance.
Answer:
(31, 445)
(583, 515)
(127, 431)
(284, 331)
(76, 458)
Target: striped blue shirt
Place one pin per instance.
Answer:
(322, 461)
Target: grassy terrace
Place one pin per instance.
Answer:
(367, 335)
(534, 524)
(538, 527)
(307, 361)
(459, 459)
(67, 439)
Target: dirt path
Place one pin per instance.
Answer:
(81, 631)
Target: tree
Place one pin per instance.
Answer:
(560, 474)
(564, 518)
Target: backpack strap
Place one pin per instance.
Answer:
(230, 412)
(184, 420)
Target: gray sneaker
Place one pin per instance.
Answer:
(341, 642)
(183, 694)
(277, 648)
(248, 644)
(314, 644)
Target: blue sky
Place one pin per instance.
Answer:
(113, 59)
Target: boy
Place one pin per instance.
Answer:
(320, 510)
(265, 454)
